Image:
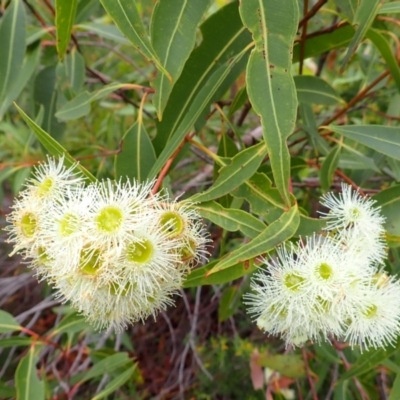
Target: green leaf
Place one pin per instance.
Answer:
(356, 154)
(8, 323)
(45, 94)
(390, 8)
(320, 44)
(107, 365)
(15, 341)
(29, 65)
(217, 47)
(276, 233)
(27, 382)
(230, 219)
(104, 31)
(75, 69)
(137, 155)
(242, 167)
(290, 365)
(239, 100)
(389, 201)
(363, 19)
(52, 146)
(328, 168)
(200, 277)
(384, 139)
(173, 34)
(309, 225)
(71, 323)
(116, 383)
(311, 129)
(314, 90)
(382, 44)
(395, 392)
(7, 392)
(201, 101)
(79, 106)
(369, 360)
(65, 16)
(126, 16)
(348, 7)
(228, 303)
(258, 191)
(12, 46)
(270, 85)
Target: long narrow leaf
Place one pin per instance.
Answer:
(127, 18)
(65, 16)
(279, 231)
(242, 167)
(173, 37)
(270, 84)
(12, 45)
(52, 146)
(201, 101)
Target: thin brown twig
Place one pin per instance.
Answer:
(314, 9)
(308, 372)
(167, 165)
(360, 95)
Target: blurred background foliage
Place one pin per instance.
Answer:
(74, 68)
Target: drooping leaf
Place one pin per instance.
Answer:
(347, 7)
(115, 383)
(384, 139)
(104, 31)
(12, 46)
(107, 365)
(328, 168)
(369, 360)
(363, 18)
(273, 235)
(395, 391)
(137, 156)
(270, 85)
(314, 90)
(29, 65)
(242, 167)
(75, 69)
(52, 146)
(308, 226)
(126, 16)
(309, 125)
(324, 42)
(15, 341)
(65, 16)
(389, 201)
(231, 219)
(71, 323)
(8, 323)
(390, 8)
(258, 191)
(228, 303)
(173, 34)
(202, 100)
(27, 381)
(387, 53)
(200, 277)
(79, 106)
(217, 47)
(45, 94)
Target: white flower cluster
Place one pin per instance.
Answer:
(331, 285)
(114, 250)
